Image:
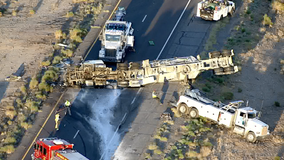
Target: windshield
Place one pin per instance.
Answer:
(112, 37)
(251, 115)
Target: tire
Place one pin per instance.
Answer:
(183, 109)
(122, 66)
(193, 113)
(134, 65)
(218, 70)
(215, 54)
(251, 137)
(226, 53)
(229, 69)
(123, 84)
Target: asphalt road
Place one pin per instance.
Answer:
(100, 117)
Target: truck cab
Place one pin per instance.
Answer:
(215, 10)
(117, 37)
(54, 148)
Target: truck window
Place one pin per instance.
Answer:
(251, 115)
(36, 146)
(242, 114)
(44, 151)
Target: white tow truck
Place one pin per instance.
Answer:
(116, 38)
(244, 121)
(214, 10)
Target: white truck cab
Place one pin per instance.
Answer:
(215, 10)
(244, 121)
(116, 39)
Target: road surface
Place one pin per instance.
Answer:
(100, 117)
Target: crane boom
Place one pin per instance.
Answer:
(95, 73)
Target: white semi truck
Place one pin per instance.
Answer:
(116, 38)
(244, 121)
(214, 10)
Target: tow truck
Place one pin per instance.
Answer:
(243, 120)
(116, 38)
(136, 74)
(55, 149)
(214, 10)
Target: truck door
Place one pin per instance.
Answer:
(241, 119)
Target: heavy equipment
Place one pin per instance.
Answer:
(116, 38)
(95, 73)
(55, 149)
(215, 10)
(243, 120)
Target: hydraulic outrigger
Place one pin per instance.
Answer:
(95, 73)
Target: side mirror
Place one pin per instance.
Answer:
(259, 114)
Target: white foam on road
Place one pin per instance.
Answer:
(102, 114)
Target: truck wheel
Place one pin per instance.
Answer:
(193, 113)
(218, 70)
(215, 54)
(251, 137)
(123, 84)
(229, 69)
(226, 53)
(183, 109)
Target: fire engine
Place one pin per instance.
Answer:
(55, 149)
(215, 9)
(243, 120)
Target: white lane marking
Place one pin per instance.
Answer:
(173, 30)
(76, 134)
(136, 95)
(144, 18)
(113, 135)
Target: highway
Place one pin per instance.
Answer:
(100, 117)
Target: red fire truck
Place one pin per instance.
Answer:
(55, 149)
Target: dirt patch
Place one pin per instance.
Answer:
(29, 38)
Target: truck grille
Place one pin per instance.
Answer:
(110, 53)
(264, 131)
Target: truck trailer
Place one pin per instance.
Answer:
(243, 120)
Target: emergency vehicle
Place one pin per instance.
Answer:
(214, 10)
(243, 120)
(55, 149)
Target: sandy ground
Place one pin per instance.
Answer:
(27, 38)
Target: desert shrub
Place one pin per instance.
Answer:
(10, 112)
(158, 151)
(277, 5)
(32, 12)
(33, 83)
(26, 125)
(228, 95)
(1, 14)
(43, 86)
(45, 63)
(191, 154)
(23, 90)
(267, 20)
(41, 96)
(147, 155)
(56, 59)
(69, 14)
(7, 149)
(10, 140)
(277, 158)
(59, 35)
(49, 75)
(152, 146)
(21, 117)
(32, 105)
(67, 52)
(14, 13)
(205, 89)
(19, 103)
(75, 35)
